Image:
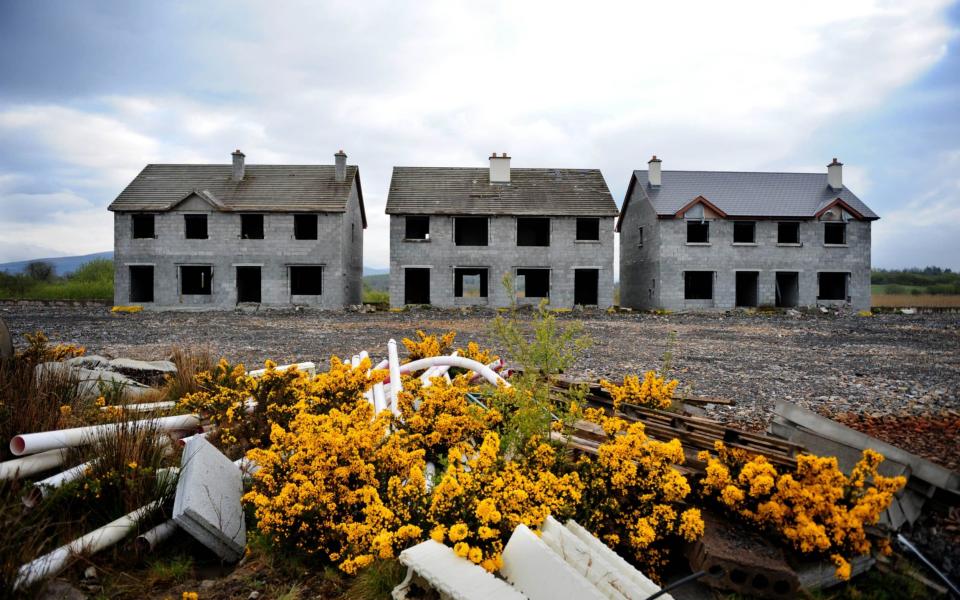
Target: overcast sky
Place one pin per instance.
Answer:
(90, 92)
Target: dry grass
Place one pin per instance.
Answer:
(911, 300)
(30, 402)
(189, 363)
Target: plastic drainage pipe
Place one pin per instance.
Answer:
(142, 407)
(31, 465)
(495, 366)
(147, 542)
(394, 362)
(379, 398)
(454, 361)
(41, 489)
(438, 371)
(32, 443)
(95, 541)
(309, 367)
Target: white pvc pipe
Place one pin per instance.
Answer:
(309, 367)
(381, 365)
(95, 541)
(32, 443)
(41, 489)
(495, 366)
(438, 371)
(455, 361)
(394, 362)
(31, 465)
(146, 542)
(143, 406)
(379, 398)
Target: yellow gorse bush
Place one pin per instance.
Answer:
(429, 345)
(473, 351)
(653, 392)
(440, 416)
(632, 493)
(481, 499)
(816, 509)
(242, 408)
(341, 483)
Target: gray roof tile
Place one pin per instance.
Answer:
(468, 191)
(265, 188)
(746, 194)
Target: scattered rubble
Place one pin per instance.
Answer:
(95, 382)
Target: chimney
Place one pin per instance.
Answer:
(238, 167)
(499, 168)
(653, 171)
(340, 162)
(835, 175)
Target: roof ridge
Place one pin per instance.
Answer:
(735, 172)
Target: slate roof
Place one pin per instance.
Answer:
(745, 194)
(264, 188)
(468, 191)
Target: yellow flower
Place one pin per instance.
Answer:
(132, 464)
(462, 549)
(843, 567)
(458, 532)
(190, 596)
(65, 410)
(475, 555)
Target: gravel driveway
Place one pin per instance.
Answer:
(888, 364)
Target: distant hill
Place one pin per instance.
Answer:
(379, 282)
(63, 265)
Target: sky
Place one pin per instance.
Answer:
(90, 92)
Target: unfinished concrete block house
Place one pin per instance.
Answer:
(455, 233)
(713, 239)
(215, 236)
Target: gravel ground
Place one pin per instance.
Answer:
(884, 365)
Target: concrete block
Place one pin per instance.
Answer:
(149, 372)
(640, 582)
(207, 504)
(540, 573)
(452, 576)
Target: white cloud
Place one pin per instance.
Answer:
(704, 85)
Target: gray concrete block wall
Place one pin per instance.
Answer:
(674, 256)
(352, 249)
(224, 251)
(639, 268)
(501, 256)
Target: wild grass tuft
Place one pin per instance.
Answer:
(189, 362)
(377, 580)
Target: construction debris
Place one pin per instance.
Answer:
(93, 383)
(742, 561)
(827, 437)
(431, 565)
(207, 505)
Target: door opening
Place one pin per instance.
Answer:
(788, 289)
(248, 284)
(585, 286)
(416, 286)
(747, 288)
